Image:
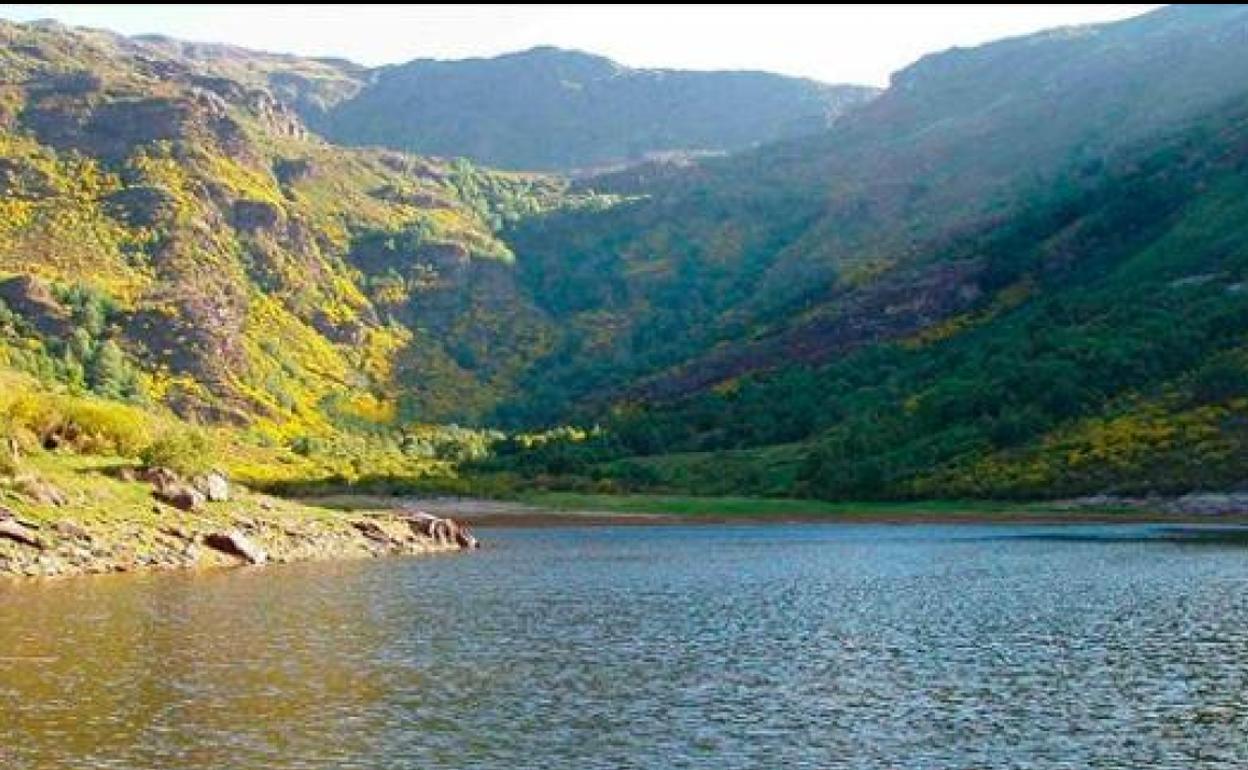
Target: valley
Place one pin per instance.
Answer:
(1014, 275)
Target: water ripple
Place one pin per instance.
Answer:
(728, 647)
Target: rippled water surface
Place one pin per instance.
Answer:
(668, 647)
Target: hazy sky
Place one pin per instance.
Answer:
(839, 43)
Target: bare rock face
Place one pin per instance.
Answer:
(112, 129)
(291, 170)
(253, 215)
(237, 544)
(143, 205)
(32, 298)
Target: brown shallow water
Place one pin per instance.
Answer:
(653, 647)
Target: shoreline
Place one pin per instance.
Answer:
(256, 529)
(83, 516)
(69, 548)
(486, 513)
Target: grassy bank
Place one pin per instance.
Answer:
(83, 514)
(747, 508)
(686, 505)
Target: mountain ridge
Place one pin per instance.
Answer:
(569, 110)
(967, 272)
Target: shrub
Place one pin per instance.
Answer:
(108, 428)
(184, 451)
(90, 425)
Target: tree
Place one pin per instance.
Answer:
(107, 372)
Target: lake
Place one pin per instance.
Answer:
(804, 646)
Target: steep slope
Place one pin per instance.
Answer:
(1017, 272)
(976, 284)
(802, 249)
(174, 234)
(1106, 351)
(550, 109)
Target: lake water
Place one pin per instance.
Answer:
(804, 646)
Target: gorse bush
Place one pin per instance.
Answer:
(184, 450)
(85, 424)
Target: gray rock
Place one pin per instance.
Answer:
(1210, 503)
(181, 496)
(39, 491)
(158, 476)
(237, 544)
(12, 530)
(215, 487)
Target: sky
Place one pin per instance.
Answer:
(834, 43)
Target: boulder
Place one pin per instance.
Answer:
(181, 496)
(237, 544)
(465, 539)
(443, 531)
(42, 492)
(18, 533)
(158, 477)
(215, 486)
(71, 531)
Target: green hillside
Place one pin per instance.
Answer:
(1018, 272)
(1007, 275)
(175, 238)
(555, 110)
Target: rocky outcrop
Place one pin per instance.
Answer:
(33, 300)
(291, 170)
(237, 544)
(143, 205)
(184, 497)
(214, 486)
(40, 491)
(245, 529)
(112, 129)
(253, 215)
(210, 538)
(445, 531)
(18, 532)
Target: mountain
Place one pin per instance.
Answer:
(545, 109)
(556, 110)
(1019, 271)
(814, 295)
(172, 232)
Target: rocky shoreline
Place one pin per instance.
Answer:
(181, 528)
(188, 542)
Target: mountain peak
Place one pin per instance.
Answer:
(554, 109)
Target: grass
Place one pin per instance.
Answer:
(774, 507)
(97, 496)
